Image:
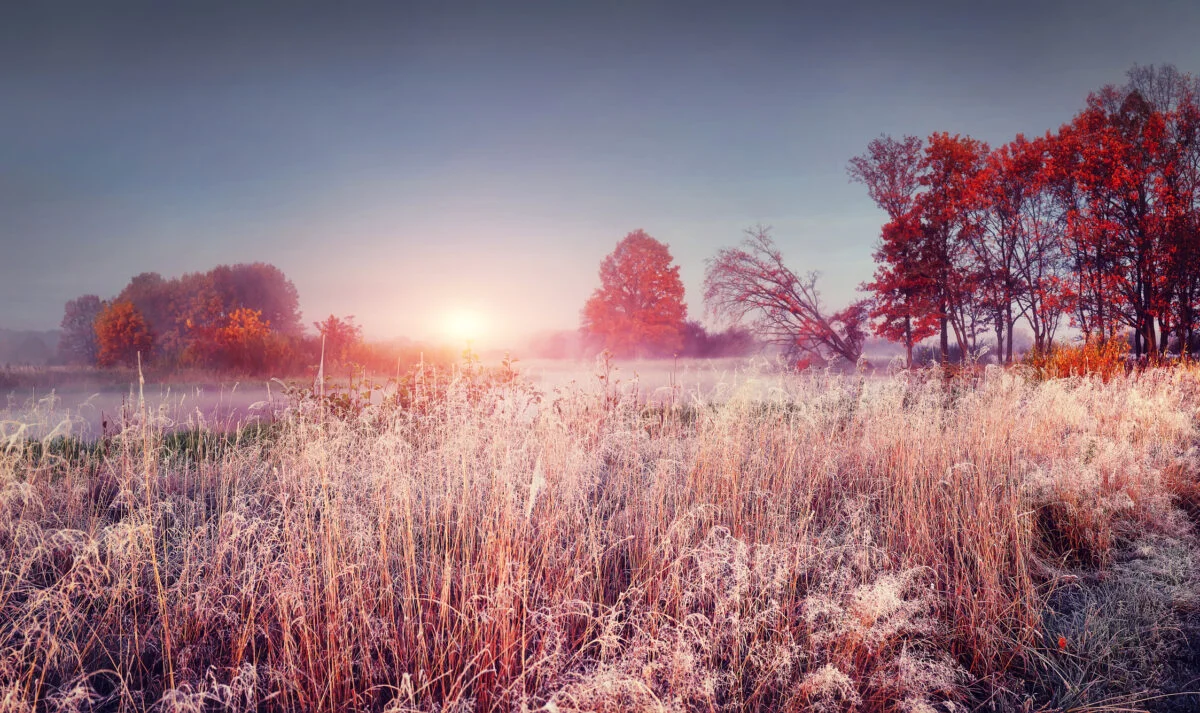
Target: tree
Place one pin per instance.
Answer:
(752, 281)
(77, 345)
(341, 337)
(928, 275)
(903, 306)
(1100, 220)
(638, 310)
(1041, 267)
(731, 342)
(263, 287)
(121, 335)
(948, 170)
(185, 313)
(1016, 246)
(890, 169)
(1128, 168)
(151, 296)
(245, 341)
(1176, 97)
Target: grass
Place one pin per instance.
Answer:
(828, 543)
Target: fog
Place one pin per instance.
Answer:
(90, 411)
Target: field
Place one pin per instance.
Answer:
(757, 542)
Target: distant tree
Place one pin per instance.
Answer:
(245, 342)
(262, 287)
(752, 281)
(638, 310)
(185, 313)
(342, 338)
(77, 345)
(152, 296)
(733, 341)
(121, 334)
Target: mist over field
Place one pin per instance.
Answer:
(435, 357)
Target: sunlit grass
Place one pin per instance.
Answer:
(828, 543)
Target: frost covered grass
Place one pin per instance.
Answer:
(831, 544)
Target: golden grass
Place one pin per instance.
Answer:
(834, 544)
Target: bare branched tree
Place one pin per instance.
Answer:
(752, 282)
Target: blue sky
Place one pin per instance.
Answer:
(404, 160)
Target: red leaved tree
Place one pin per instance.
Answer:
(928, 274)
(1021, 267)
(638, 310)
(945, 207)
(752, 282)
(902, 307)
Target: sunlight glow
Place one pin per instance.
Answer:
(463, 325)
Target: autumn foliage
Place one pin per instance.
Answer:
(638, 310)
(243, 318)
(122, 335)
(246, 340)
(1106, 359)
(1098, 222)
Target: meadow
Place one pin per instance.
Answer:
(993, 541)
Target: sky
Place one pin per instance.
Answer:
(402, 162)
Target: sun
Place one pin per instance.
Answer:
(463, 325)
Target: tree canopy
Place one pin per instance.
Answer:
(1098, 222)
(639, 308)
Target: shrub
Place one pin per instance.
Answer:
(1106, 359)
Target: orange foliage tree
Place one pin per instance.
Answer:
(245, 341)
(122, 334)
(638, 310)
(343, 339)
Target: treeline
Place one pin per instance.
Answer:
(1096, 224)
(240, 318)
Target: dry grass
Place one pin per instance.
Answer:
(905, 544)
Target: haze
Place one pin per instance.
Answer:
(403, 162)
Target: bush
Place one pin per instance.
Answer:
(1105, 359)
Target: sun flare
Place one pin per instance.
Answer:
(463, 325)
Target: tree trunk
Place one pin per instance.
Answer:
(945, 339)
(1012, 323)
(908, 341)
(999, 338)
